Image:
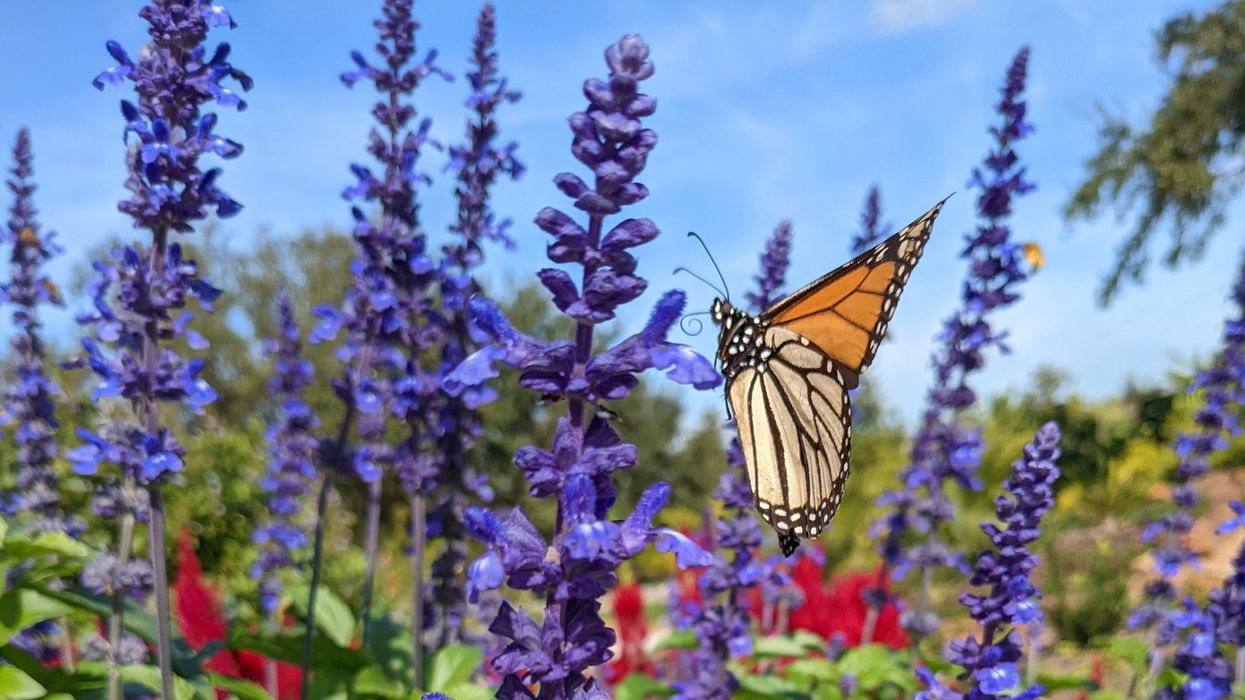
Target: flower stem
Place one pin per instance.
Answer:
(317, 561)
(155, 526)
(418, 543)
(1240, 665)
(125, 542)
(159, 564)
(372, 544)
(1035, 655)
(67, 645)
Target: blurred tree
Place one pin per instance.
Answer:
(1183, 165)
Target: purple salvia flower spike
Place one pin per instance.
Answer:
(871, 227)
(141, 295)
(1009, 600)
(773, 274)
(29, 397)
(722, 621)
(292, 449)
(945, 450)
(1216, 421)
(580, 564)
(388, 309)
(478, 164)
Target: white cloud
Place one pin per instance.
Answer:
(894, 16)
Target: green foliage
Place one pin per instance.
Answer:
(871, 671)
(1178, 166)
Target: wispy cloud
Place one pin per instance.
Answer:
(894, 16)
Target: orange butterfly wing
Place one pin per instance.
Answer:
(845, 312)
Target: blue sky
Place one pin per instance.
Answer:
(765, 111)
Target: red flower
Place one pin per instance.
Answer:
(632, 629)
(201, 621)
(198, 610)
(837, 608)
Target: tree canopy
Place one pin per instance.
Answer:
(1182, 167)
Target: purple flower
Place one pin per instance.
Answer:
(578, 564)
(140, 297)
(722, 621)
(175, 79)
(1004, 571)
(871, 227)
(29, 395)
(944, 450)
(1216, 420)
(478, 164)
(292, 446)
(773, 274)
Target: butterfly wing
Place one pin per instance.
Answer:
(794, 421)
(845, 312)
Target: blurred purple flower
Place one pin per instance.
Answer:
(773, 273)
(871, 227)
(1222, 385)
(722, 621)
(292, 449)
(29, 396)
(478, 164)
(944, 449)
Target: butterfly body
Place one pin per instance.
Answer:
(788, 371)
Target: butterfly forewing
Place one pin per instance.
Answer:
(846, 312)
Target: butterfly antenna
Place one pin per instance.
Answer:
(712, 286)
(717, 269)
(691, 325)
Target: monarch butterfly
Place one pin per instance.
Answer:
(788, 371)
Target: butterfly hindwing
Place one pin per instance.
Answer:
(794, 421)
(845, 312)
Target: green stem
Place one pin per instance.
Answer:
(419, 543)
(159, 564)
(125, 543)
(317, 561)
(372, 545)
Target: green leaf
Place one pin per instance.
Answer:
(325, 653)
(753, 687)
(875, 665)
(469, 691)
(142, 675)
(373, 681)
(778, 647)
(1107, 695)
(333, 616)
(815, 670)
(638, 686)
(47, 544)
(452, 665)
(1063, 682)
(137, 620)
(245, 690)
(20, 608)
(4, 531)
(16, 685)
(678, 639)
(55, 680)
(1132, 651)
(810, 640)
(330, 683)
(389, 645)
